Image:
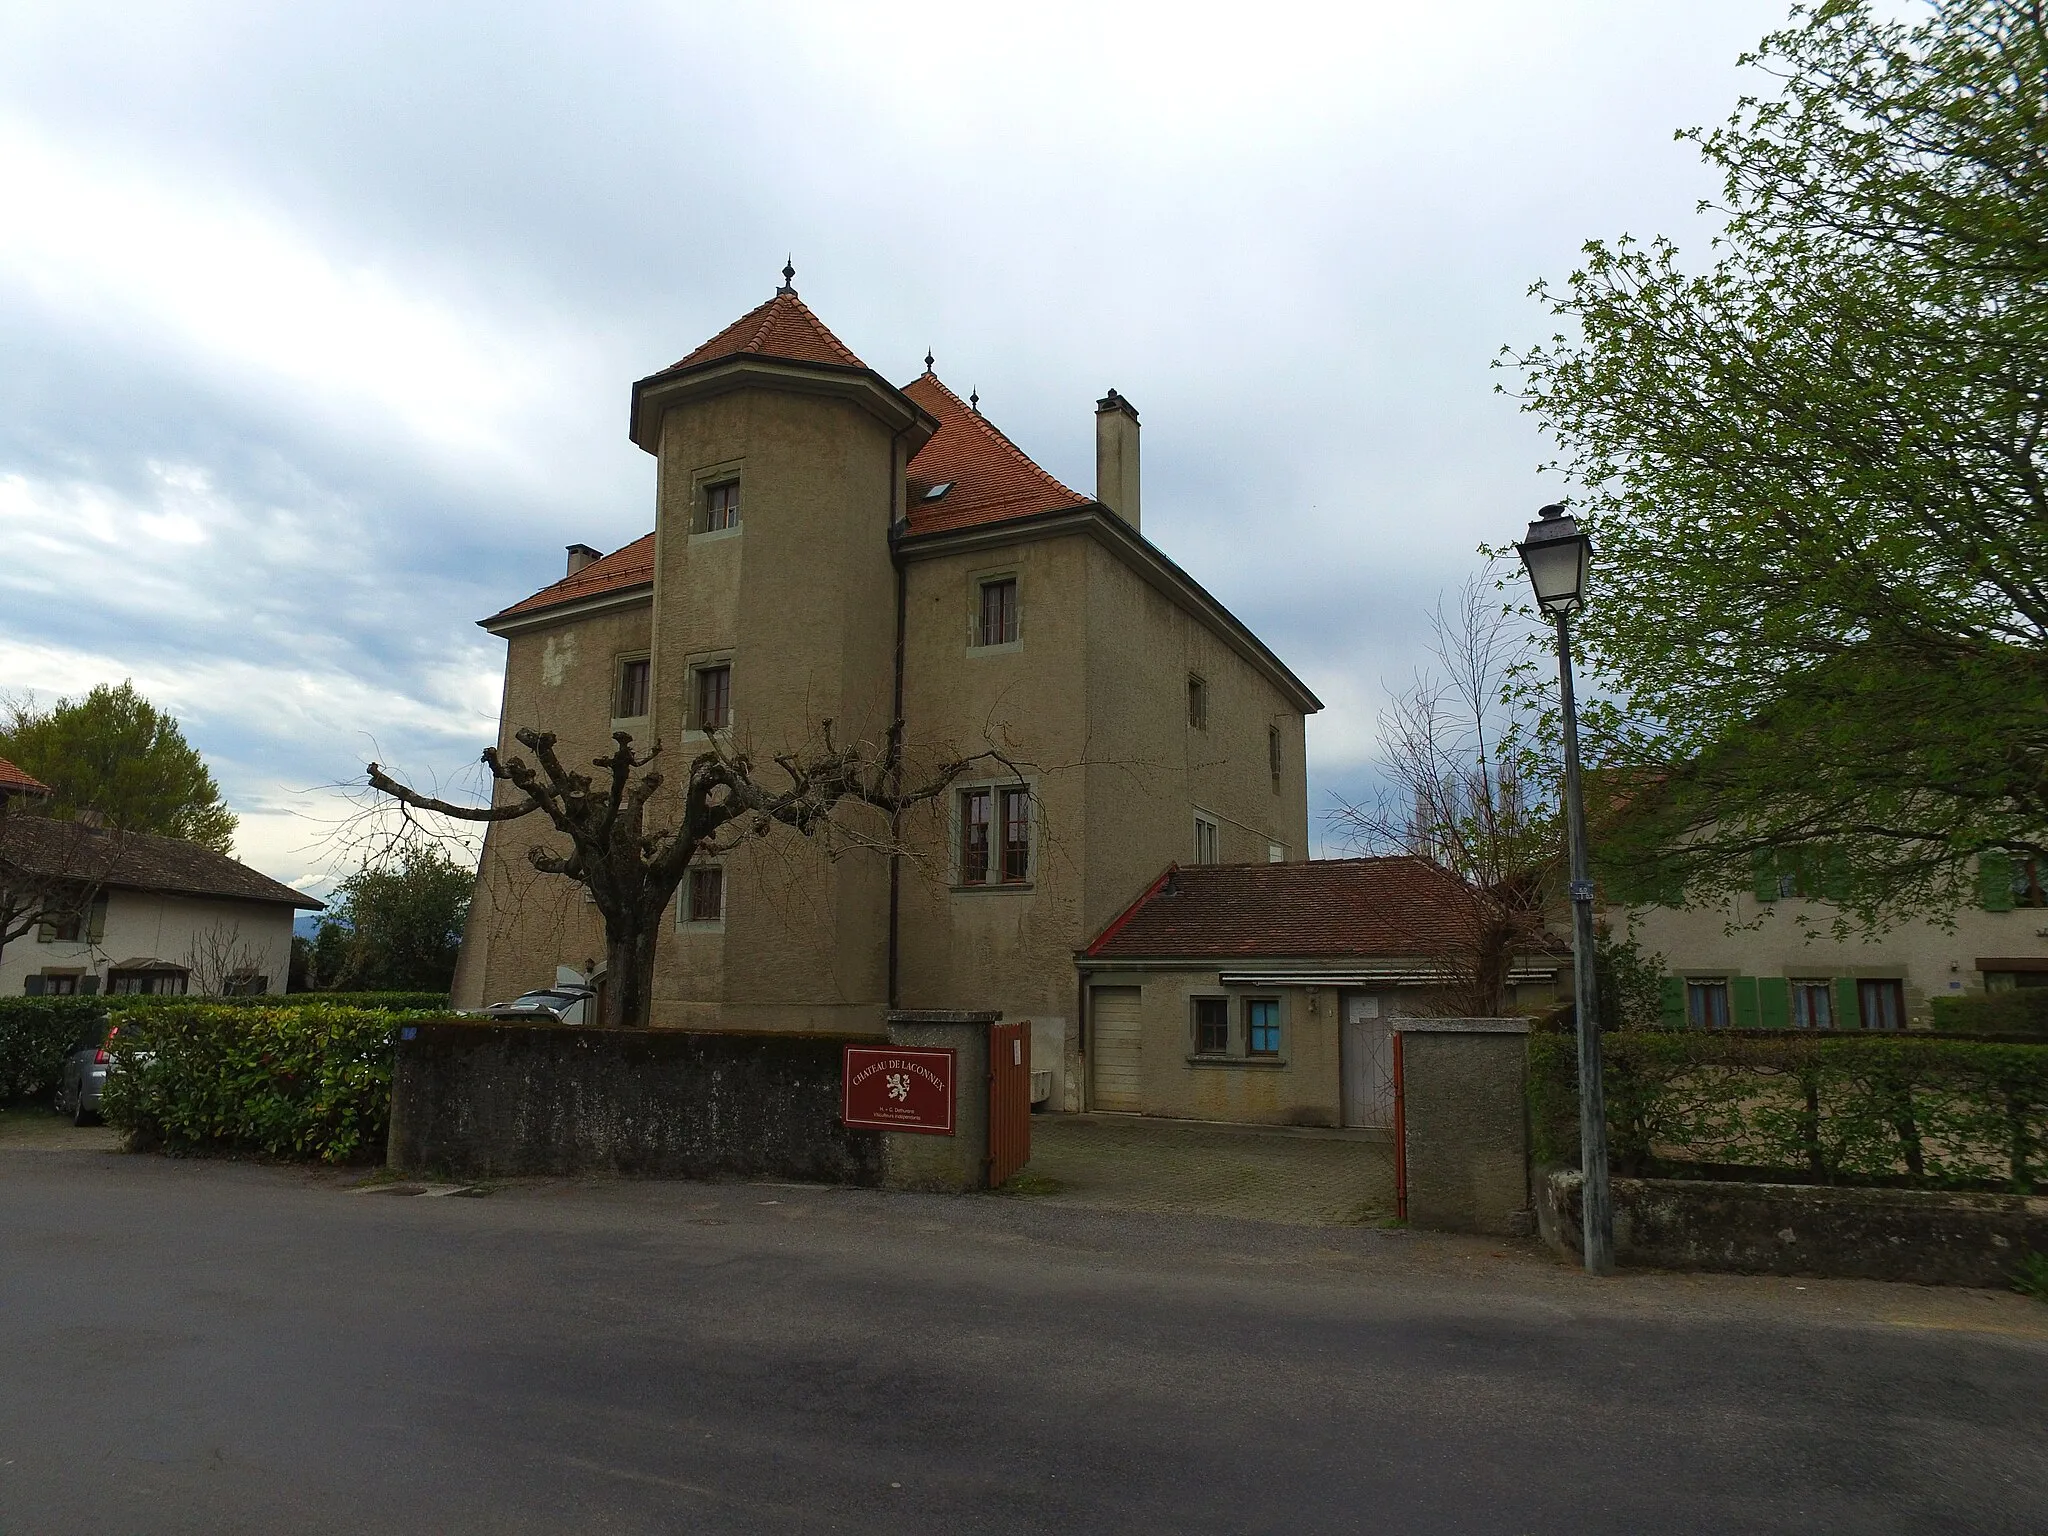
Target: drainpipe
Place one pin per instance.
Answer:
(896, 471)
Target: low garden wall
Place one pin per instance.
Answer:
(487, 1099)
(1927, 1237)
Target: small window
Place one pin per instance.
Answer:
(59, 986)
(1813, 1005)
(2012, 981)
(1212, 1026)
(63, 929)
(1262, 1026)
(714, 698)
(1208, 841)
(2026, 884)
(704, 897)
(721, 506)
(1273, 754)
(1706, 1004)
(974, 814)
(245, 984)
(997, 624)
(1276, 853)
(631, 703)
(158, 983)
(1881, 1004)
(1016, 836)
(1198, 703)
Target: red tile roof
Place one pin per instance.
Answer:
(783, 328)
(14, 781)
(1324, 909)
(992, 478)
(632, 566)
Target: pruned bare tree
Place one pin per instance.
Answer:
(1460, 761)
(219, 957)
(630, 847)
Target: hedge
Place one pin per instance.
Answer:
(1902, 1109)
(36, 1033)
(2021, 1011)
(310, 1082)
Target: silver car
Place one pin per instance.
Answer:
(560, 1004)
(83, 1075)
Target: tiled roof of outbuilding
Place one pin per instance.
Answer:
(632, 566)
(139, 861)
(992, 478)
(1325, 908)
(14, 781)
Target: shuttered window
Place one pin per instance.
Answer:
(1813, 1005)
(1706, 1004)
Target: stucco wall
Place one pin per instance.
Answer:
(146, 926)
(1932, 960)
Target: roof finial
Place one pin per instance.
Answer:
(974, 401)
(788, 276)
(927, 359)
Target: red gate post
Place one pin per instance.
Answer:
(1400, 1137)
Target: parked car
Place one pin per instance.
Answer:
(84, 1074)
(560, 1003)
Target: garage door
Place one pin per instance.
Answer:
(1114, 1047)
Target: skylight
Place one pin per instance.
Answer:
(938, 490)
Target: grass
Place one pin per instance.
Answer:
(1031, 1184)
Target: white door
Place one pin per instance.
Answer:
(1368, 1062)
(1115, 1048)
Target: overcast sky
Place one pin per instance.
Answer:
(317, 322)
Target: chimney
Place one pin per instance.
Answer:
(581, 555)
(1116, 456)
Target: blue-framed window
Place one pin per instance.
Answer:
(1262, 1026)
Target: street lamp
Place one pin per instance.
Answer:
(1558, 558)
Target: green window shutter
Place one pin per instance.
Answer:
(32, 986)
(1742, 1004)
(1763, 872)
(1834, 877)
(1774, 1002)
(1994, 880)
(96, 921)
(1671, 1002)
(1848, 1012)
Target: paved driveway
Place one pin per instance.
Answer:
(195, 1346)
(1194, 1167)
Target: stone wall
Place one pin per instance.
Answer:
(488, 1099)
(1464, 1124)
(1927, 1237)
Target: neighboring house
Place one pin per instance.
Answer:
(1765, 959)
(1263, 992)
(163, 915)
(825, 543)
(16, 785)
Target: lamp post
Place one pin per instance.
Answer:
(1558, 557)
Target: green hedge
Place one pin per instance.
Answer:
(2022, 1011)
(1901, 1109)
(311, 1081)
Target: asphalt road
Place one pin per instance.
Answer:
(191, 1346)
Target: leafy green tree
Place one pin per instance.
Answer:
(1817, 471)
(115, 753)
(394, 928)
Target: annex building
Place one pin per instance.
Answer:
(829, 545)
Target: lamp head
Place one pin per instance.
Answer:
(1558, 558)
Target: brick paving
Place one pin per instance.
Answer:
(1199, 1168)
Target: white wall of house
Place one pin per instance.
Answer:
(1932, 959)
(166, 930)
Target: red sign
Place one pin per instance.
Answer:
(897, 1088)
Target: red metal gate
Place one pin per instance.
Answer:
(1009, 1100)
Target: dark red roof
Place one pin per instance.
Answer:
(992, 479)
(632, 566)
(14, 781)
(1324, 909)
(782, 328)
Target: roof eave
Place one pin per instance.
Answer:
(511, 622)
(655, 394)
(1143, 556)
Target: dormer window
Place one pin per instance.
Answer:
(721, 506)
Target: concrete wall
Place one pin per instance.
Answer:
(1932, 961)
(150, 927)
(1925, 1237)
(485, 1100)
(1465, 1139)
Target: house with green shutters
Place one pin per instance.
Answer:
(1765, 958)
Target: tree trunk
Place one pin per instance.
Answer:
(629, 972)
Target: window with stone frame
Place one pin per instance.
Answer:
(711, 704)
(1212, 1026)
(1262, 1026)
(721, 506)
(704, 894)
(996, 623)
(631, 702)
(995, 835)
